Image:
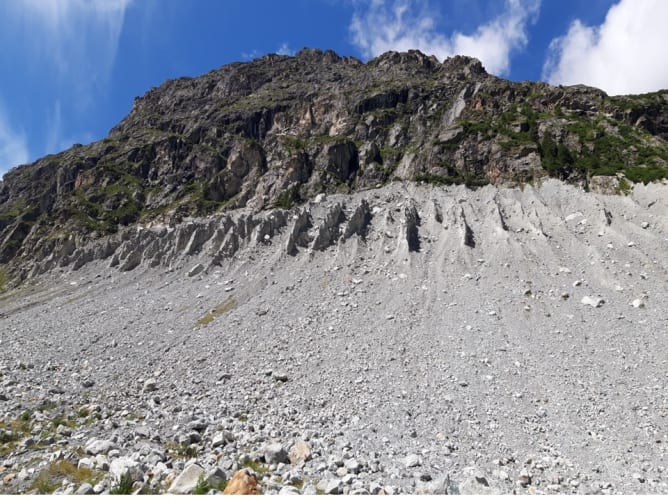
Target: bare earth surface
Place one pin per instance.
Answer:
(498, 340)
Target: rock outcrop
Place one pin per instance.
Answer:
(275, 132)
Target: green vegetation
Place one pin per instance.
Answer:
(255, 466)
(51, 478)
(228, 305)
(12, 212)
(288, 198)
(3, 279)
(470, 180)
(124, 485)
(294, 144)
(624, 186)
(47, 406)
(180, 451)
(203, 487)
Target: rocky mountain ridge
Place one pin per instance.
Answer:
(277, 131)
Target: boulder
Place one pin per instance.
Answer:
(97, 446)
(243, 482)
(186, 482)
(275, 453)
(300, 452)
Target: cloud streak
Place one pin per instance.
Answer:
(75, 37)
(13, 145)
(382, 25)
(623, 55)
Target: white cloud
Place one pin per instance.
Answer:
(624, 55)
(383, 25)
(76, 38)
(13, 145)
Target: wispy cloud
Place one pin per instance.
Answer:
(625, 54)
(77, 40)
(382, 25)
(13, 144)
(67, 48)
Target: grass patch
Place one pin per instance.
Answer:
(19, 426)
(203, 487)
(83, 412)
(65, 421)
(228, 305)
(52, 477)
(625, 187)
(255, 466)
(47, 406)
(124, 486)
(180, 451)
(3, 279)
(298, 483)
(288, 198)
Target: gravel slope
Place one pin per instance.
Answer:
(448, 352)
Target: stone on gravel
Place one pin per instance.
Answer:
(85, 489)
(524, 478)
(300, 452)
(412, 460)
(195, 270)
(64, 430)
(353, 466)
(275, 453)
(97, 446)
(186, 482)
(243, 482)
(638, 303)
(438, 486)
(215, 476)
(477, 485)
(122, 466)
(330, 486)
(596, 302)
(150, 385)
(288, 490)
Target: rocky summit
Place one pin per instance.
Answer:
(307, 274)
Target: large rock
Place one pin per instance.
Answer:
(98, 446)
(243, 482)
(186, 482)
(123, 466)
(275, 453)
(300, 452)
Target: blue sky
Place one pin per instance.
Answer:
(71, 68)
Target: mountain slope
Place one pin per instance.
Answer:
(277, 131)
(438, 344)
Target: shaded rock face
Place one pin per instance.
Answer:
(276, 131)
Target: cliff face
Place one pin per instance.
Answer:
(277, 131)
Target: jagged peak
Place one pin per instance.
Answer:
(410, 57)
(467, 64)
